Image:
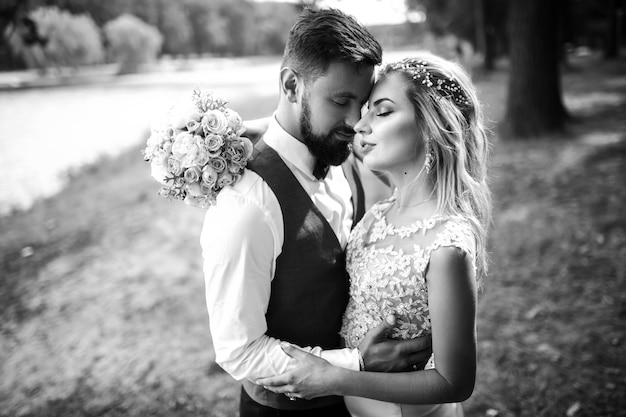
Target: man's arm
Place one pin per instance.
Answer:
(239, 245)
(379, 353)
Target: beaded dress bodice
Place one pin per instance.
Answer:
(387, 267)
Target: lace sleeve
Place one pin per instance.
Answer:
(458, 234)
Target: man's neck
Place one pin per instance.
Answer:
(289, 122)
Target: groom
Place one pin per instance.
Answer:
(273, 246)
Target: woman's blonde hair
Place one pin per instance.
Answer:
(449, 117)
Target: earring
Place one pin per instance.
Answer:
(429, 160)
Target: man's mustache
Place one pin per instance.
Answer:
(345, 131)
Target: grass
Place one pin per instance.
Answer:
(101, 290)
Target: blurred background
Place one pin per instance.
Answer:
(101, 289)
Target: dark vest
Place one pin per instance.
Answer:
(309, 291)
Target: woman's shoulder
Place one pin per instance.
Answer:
(456, 231)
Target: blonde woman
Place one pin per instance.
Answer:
(421, 253)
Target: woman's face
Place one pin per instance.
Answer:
(387, 134)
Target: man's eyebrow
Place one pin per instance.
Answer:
(344, 94)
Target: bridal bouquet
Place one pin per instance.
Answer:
(198, 150)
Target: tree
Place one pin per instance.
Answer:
(273, 21)
(611, 49)
(240, 17)
(132, 42)
(534, 104)
(175, 28)
(58, 38)
(494, 30)
(482, 22)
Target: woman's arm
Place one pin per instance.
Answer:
(452, 303)
(256, 128)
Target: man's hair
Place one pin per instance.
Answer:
(320, 37)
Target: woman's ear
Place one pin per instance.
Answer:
(289, 84)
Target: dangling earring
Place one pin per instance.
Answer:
(429, 159)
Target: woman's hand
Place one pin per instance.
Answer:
(255, 129)
(312, 377)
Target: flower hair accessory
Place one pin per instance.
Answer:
(198, 150)
(446, 87)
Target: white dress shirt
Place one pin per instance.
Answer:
(242, 237)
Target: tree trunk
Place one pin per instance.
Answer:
(611, 50)
(489, 30)
(534, 104)
(479, 26)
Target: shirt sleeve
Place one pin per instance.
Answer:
(238, 248)
(240, 243)
(343, 358)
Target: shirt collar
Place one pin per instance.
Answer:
(290, 148)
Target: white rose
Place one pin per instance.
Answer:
(214, 121)
(193, 189)
(214, 143)
(248, 146)
(156, 140)
(218, 164)
(192, 174)
(174, 167)
(234, 120)
(224, 179)
(209, 175)
(185, 149)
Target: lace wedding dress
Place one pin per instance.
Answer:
(387, 266)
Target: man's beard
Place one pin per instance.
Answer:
(326, 149)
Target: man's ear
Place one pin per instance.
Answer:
(289, 84)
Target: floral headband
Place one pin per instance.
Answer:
(446, 87)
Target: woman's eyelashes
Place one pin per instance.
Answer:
(382, 112)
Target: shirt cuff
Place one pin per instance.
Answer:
(343, 358)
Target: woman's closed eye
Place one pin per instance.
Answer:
(384, 112)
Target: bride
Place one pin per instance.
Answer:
(419, 254)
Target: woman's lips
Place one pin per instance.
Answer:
(366, 147)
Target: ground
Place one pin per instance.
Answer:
(101, 290)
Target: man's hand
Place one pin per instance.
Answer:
(382, 354)
(312, 377)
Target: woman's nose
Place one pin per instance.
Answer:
(362, 126)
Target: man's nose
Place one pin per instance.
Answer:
(362, 126)
(353, 116)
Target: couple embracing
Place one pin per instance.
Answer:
(321, 308)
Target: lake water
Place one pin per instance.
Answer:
(45, 132)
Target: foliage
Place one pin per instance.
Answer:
(217, 27)
(69, 40)
(208, 26)
(481, 22)
(273, 22)
(132, 42)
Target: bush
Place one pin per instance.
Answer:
(69, 40)
(132, 42)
